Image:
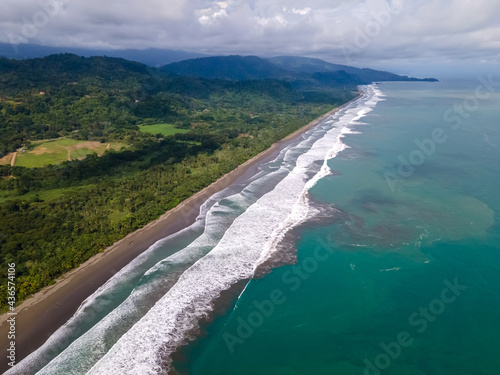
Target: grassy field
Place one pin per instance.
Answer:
(164, 129)
(59, 150)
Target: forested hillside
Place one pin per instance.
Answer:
(55, 217)
(307, 65)
(288, 68)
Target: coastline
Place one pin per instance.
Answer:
(42, 314)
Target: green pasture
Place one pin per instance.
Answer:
(164, 129)
(57, 151)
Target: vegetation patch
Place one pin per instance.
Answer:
(163, 129)
(57, 151)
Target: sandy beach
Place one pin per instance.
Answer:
(41, 315)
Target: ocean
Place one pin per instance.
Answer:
(370, 245)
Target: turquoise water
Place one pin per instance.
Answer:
(393, 266)
(406, 279)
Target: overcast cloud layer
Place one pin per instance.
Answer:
(350, 32)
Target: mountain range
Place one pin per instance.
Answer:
(301, 72)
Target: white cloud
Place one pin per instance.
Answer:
(210, 15)
(210, 19)
(302, 12)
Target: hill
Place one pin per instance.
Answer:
(304, 71)
(234, 68)
(56, 70)
(311, 65)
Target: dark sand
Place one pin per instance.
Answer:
(42, 314)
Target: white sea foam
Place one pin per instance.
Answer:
(167, 324)
(91, 346)
(302, 208)
(146, 347)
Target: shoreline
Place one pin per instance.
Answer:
(41, 315)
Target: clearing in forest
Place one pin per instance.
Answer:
(57, 151)
(164, 129)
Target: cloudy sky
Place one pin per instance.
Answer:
(356, 32)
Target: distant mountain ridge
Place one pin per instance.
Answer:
(151, 56)
(312, 65)
(233, 68)
(294, 69)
